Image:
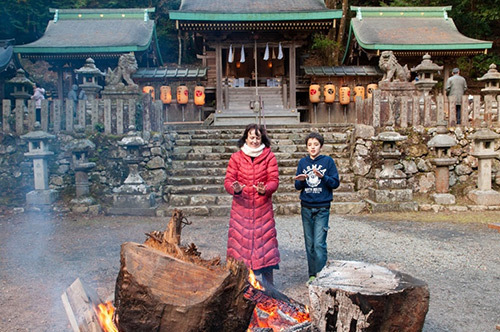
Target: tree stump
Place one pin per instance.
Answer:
(163, 286)
(350, 296)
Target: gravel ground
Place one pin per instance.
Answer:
(40, 256)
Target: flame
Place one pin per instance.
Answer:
(253, 281)
(105, 313)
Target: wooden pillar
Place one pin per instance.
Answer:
(293, 76)
(218, 70)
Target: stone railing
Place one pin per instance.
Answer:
(426, 110)
(111, 116)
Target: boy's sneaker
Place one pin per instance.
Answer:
(311, 279)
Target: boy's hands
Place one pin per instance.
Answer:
(318, 173)
(301, 177)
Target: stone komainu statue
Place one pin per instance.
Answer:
(393, 71)
(127, 65)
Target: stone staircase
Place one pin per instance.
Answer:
(239, 112)
(200, 158)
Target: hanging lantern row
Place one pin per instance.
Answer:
(329, 92)
(182, 94)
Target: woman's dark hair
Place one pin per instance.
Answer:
(317, 136)
(258, 130)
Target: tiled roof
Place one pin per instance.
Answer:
(342, 71)
(253, 10)
(92, 30)
(157, 73)
(251, 6)
(6, 52)
(410, 28)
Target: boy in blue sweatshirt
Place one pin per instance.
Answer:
(316, 177)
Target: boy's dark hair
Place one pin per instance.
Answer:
(258, 130)
(317, 136)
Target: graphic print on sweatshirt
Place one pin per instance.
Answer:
(313, 180)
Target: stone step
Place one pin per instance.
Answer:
(215, 194)
(226, 155)
(281, 145)
(276, 140)
(221, 171)
(339, 208)
(201, 155)
(223, 119)
(286, 181)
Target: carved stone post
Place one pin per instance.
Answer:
(442, 144)
(134, 197)
(38, 150)
(392, 192)
(83, 203)
(484, 151)
(491, 90)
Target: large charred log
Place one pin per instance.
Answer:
(163, 286)
(363, 297)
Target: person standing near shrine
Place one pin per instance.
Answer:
(252, 178)
(316, 177)
(456, 86)
(38, 96)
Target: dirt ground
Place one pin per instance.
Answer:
(458, 256)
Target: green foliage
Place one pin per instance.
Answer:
(325, 46)
(478, 65)
(99, 127)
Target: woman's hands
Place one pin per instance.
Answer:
(238, 187)
(260, 187)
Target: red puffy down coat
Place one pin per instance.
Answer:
(252, 232)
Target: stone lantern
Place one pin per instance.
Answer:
(491, 81)
(392, 193)
(491, 89)
(484, 151)
(38, 150)
(134, 197)
(442, 144)
(21, 84)
(90, 75)
(425, 74)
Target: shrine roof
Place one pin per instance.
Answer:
(160, 73)
(94, 31)
(342, 71)
(410, 28)
(6, 52)
(253, 10)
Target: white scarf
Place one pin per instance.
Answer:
(252, 152)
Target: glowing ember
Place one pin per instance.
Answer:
(105, 313)
(273, 313)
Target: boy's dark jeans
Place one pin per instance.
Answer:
(315, 224)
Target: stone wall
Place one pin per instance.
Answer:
(16, 171)
(416, 163)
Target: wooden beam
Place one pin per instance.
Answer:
(79, 304)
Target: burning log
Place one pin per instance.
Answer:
(80, 304)
(274, 311)
(163, 286)
(357, 296)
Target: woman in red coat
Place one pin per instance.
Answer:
(252, 178)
